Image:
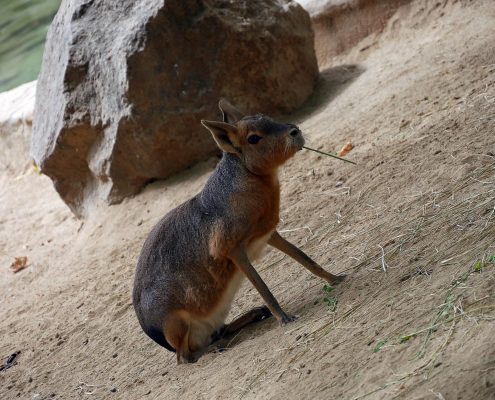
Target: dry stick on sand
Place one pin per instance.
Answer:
(329, 155)
(384, 264)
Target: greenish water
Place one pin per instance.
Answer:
(23, 27)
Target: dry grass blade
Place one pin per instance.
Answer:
(329, 155)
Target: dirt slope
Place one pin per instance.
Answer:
(412, 225)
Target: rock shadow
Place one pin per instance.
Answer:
(332, 82)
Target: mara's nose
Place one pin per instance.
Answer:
(294, 132)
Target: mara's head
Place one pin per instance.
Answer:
(261, 143)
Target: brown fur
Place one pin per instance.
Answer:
(195, 258)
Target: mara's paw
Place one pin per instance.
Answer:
(286, 319)
(336, 279)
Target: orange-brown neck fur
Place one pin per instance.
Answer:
(247, 206)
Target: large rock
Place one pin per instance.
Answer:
(124, 84)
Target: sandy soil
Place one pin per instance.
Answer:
(412, 225)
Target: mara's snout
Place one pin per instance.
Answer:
(297, 137)
(195, 258)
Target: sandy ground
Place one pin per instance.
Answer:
(412, 225)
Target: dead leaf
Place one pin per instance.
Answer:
(19, 264)
(346, 149)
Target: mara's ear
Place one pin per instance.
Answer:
(230, 114)
(224, 134)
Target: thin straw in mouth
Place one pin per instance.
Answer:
(329, 155)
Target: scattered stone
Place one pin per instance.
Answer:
(10, 361)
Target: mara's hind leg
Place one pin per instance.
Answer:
(177, 331)
(252, 316)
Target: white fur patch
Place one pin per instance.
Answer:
(256, 247)
(203, 328)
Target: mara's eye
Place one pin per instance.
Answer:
(253, 139)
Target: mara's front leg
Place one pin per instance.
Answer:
(240, 259)
(302, 258)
